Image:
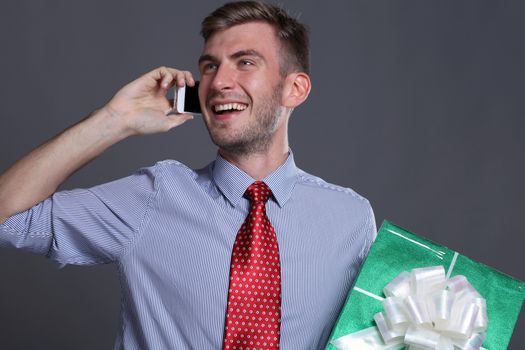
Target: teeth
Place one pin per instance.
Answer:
(230, 106)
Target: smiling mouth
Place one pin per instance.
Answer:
(228, 108)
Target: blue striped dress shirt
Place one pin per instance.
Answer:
(170, 231)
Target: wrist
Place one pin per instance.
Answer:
(114, 123)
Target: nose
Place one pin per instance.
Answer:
(224, 78)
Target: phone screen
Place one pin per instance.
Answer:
(191, 99)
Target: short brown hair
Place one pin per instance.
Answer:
(292, 34)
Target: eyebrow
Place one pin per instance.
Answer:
(238, 54)
(207, 58)
(250, 52)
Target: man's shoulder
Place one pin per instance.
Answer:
(335, 201)
(170, 168)
(172, 174)
(171, 164)
(327, 189)
(154, 176)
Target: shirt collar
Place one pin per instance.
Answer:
(233, 182)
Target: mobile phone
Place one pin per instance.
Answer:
(186, 99)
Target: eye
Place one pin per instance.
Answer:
(246, 63)
(208, 67)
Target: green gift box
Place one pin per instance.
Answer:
(396, 250)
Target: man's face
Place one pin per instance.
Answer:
(241, 87)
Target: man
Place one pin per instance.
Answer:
(204, 260)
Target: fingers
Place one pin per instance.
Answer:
(169, 77)
(177, 119)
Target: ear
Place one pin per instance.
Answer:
(296, 89)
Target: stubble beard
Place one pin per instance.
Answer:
(256, 138)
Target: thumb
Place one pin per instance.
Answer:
(175, 120)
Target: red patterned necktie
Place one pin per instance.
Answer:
(253, 317)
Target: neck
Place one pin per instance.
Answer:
(261, 164)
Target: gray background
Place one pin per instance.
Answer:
(417, 105)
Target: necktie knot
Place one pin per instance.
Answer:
(258, 192)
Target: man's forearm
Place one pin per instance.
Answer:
(138, 108)
(37, 175)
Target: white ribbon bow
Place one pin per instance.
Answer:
(425, 311)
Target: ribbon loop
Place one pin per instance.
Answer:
(428, 312)
(421, 337)
(399, 286)
(423, 310)
(395, 310)
(428, 279)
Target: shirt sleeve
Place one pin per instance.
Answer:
(370, 230)
(84, 226)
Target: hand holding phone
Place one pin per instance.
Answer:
(186, 99)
